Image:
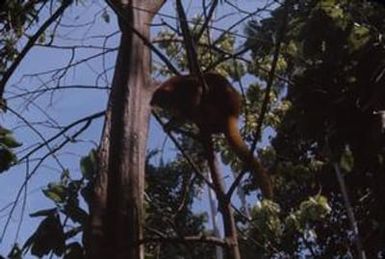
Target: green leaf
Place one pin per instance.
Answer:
(55, 192)
(75, 213)
(45, 213)
(359, 36)
(4, 131)
(73, 232)
(333, 10)
(7, 158)
(88, 165)
(292, 223)
(266, 218)
(9, 141)
(3, 105)
(347, 160)
(315, 208)
(49, 237)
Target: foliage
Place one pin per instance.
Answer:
(52, 234)
(169, 211)
(271, 228)
(333, 53)
(15, 17)
(173, 46)
(325, 111)
(48, 237)
(7, 144)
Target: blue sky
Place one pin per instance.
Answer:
(65, 106)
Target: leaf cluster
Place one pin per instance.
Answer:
(54, 233)
(333, 53)
(7, 145)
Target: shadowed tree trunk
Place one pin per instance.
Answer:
(116, 213)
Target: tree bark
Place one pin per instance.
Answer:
(116, 214)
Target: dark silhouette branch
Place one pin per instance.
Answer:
(271, 76)
(146, 41)
(190, 46)
(64, 129)
(28, 176)
(31, 42)
(189, 42)
(207, 19)
(195, 168)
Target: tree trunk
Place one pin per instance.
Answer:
(116, 214)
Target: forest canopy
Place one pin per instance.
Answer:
(311, 74)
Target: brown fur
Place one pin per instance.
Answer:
(216, 111)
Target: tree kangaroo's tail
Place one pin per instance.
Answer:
(243, 152)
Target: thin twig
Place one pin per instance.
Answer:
(188, 40)
(38, 91)
(37, 166)
(64, 129)
(195, 168)
(207, 19)
(349, 210)
(31, 42)
(271, 77)
(23, 206)
(29, 125)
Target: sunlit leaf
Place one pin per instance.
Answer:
(44, 213)
(55, 192)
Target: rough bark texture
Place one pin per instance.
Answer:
(117, 210)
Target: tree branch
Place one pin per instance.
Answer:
(146, 41)
(31, 42)
(28, 176)
(195, 168)
(65, 129)
(207, 19)
(271, 76)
